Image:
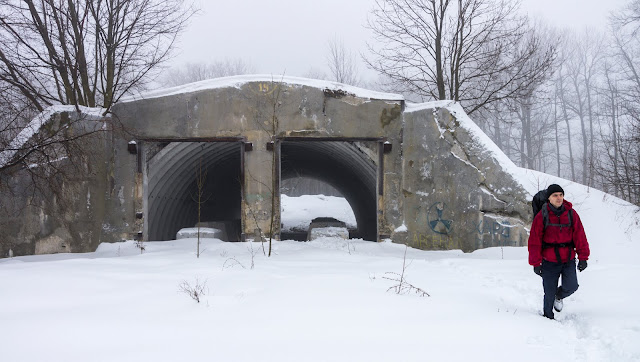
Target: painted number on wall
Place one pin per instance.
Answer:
(267, 88)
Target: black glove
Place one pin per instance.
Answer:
(582, 265)
(538, 270)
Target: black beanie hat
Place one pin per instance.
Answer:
(553, 188)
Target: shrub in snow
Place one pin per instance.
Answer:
(194, 291)
(140, 245)
(403, 286)
(231, 262)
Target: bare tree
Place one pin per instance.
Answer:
(628, 17)
(273, 125)
(622, 167)
(533, 113)
(530, 103)
(560, 89)
(342, 62)
(80, 53)
(194, 72)
(583, 65)
(464, 50)
(88, 52)
(595, 90)
(74, 53)
(199, 197)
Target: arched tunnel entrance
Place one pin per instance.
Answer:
(348, 166)
(171, 188)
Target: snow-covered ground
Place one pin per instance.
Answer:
(325, 300)
(328, 299)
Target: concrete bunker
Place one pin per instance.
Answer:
(422, 175)
(345, 165)
(171, 188)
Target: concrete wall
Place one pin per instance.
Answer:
(63, 208)
(262, 112)
(456, 195)
(436, 187)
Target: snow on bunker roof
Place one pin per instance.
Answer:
(37, 122)
(478, 139)
(238, 81)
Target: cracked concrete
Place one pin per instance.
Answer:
(414, 177)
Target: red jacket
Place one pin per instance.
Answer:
(557, 234)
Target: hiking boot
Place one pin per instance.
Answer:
(557, 305)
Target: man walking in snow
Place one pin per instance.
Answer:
(556, 235)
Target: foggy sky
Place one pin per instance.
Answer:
(290, 36)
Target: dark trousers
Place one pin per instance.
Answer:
(550, 274)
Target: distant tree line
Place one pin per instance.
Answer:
(582, 122)
(558, 101)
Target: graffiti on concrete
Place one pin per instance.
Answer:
(264, 88)
(488, 231)
(497, 230)
(437, 241)
(493, 227)
(436, 219)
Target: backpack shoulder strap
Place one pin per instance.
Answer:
(545, 215)
(571, 218)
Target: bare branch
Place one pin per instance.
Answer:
(476, 52)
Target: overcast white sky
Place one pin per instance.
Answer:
(290, 36)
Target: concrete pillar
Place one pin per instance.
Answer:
(261, 188)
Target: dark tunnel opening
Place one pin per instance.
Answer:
(347, 166)
(172, 189)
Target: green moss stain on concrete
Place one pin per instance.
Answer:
(389, 115)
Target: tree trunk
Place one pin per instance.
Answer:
(590, 115)
(566, 120)
(527, 132)
(555, 127)
(497, 133)
(522, 146)
(580, 113)
(614, 140)
(438, 21)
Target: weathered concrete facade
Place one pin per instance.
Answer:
(455, 194)
(412, 175)
(61, 209)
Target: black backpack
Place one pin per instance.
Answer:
(539, 203)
